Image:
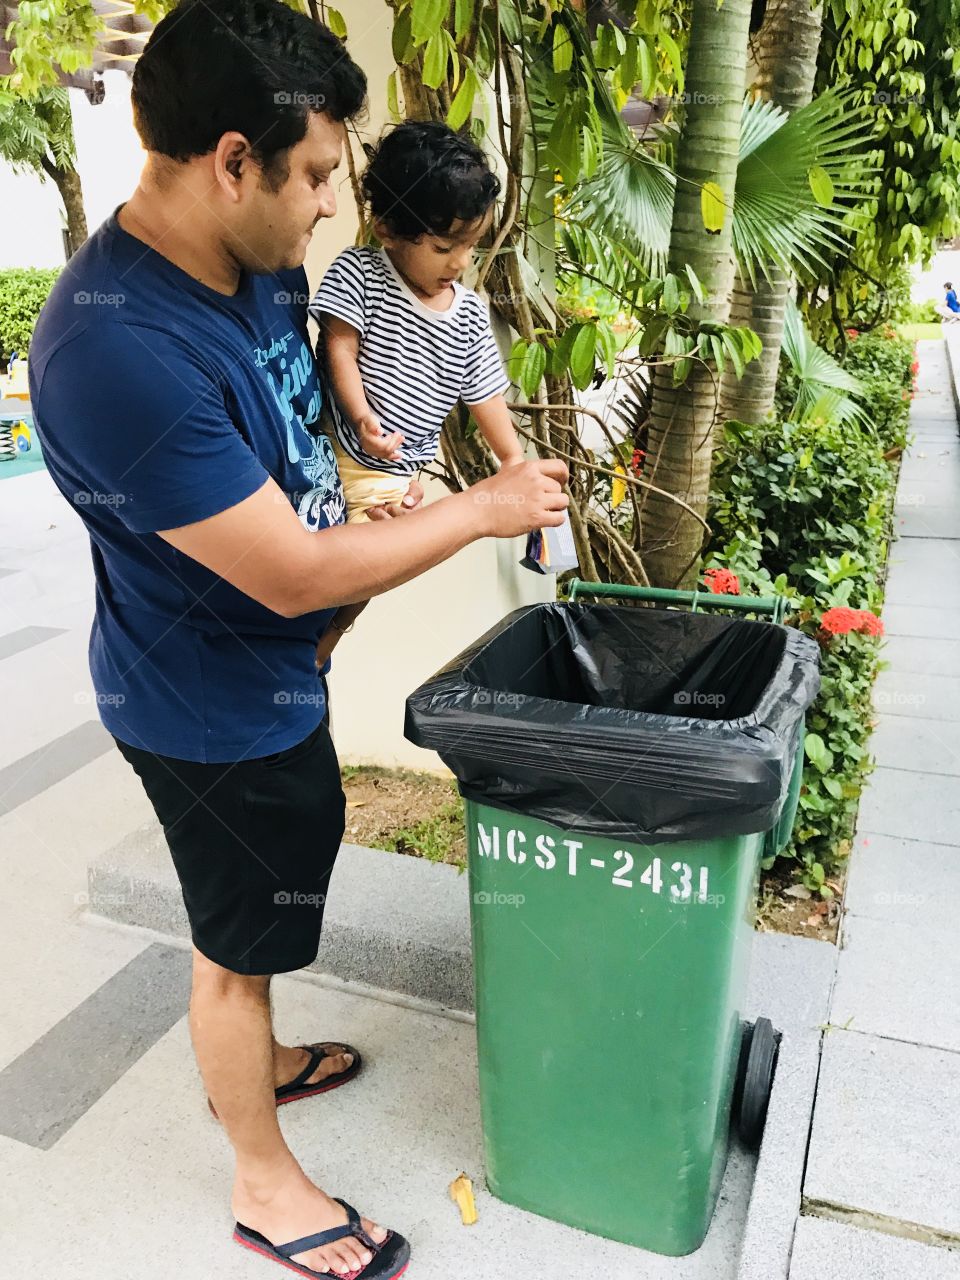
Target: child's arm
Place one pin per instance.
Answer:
(496, 426)
(342, 345)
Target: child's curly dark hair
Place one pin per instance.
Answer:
(423, 177)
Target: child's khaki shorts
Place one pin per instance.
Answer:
(364, 487)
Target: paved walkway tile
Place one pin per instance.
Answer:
(915, 693)
(923, 571)
(824, 1250)
(900, 980)
(906, 882)
(922, 653)
(917, 806)
(941, 621)
(925, 746)
(886, 1132)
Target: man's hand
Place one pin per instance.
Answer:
(522, 496)
(411, 500)
(341, 622)
(377, 442)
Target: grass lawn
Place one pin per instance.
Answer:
(915, 332)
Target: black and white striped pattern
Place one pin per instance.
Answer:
(415, 363)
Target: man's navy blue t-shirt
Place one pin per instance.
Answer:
(160, 402)
(952, 302)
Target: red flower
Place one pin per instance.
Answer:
(840, 621)
(915, 367)
(722, 582)
(853, 333)
(636, 461)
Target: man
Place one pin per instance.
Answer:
(949, 309)
(177, 400)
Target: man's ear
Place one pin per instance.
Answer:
(233, 150)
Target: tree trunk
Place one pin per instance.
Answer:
(681, 421)
(71, 196)
(786, 55)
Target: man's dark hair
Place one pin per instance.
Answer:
(254, 66)
(948, 285)
(423, 177)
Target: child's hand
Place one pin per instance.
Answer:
(377, 442)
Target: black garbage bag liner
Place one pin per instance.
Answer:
(624, 722)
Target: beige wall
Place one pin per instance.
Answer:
(368, 41)
(403, 637)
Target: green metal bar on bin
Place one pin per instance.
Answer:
(775, 605)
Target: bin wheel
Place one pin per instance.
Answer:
(758, 1056)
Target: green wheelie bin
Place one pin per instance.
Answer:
(624, 769)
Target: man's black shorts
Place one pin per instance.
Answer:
(253, 844)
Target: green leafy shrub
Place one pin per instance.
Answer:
(886, 365)
(804, 509)
(23, 291)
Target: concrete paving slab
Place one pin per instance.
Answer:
(778, 1183)
(54, 1082)
(402, 924)
(927, 746)
(156, 1169)
(927, 520)
(932, 620)
(922, 572)
(825, 1250)
(918, 694)
(904, 882)
(47, 765)
(24, 638)
(915, 806)
(393, 922)
(790, 981)
(922, 653)
(886, 1135)
(900, 980)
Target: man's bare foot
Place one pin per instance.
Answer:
(294, 1207)
(289, 1062)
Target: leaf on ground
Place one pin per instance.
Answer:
(797, 891)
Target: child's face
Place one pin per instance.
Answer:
(431, 264)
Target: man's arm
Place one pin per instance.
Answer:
(260, 546)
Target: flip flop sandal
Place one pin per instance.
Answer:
(389, 1258)
(297, 1088)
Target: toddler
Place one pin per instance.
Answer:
(403, 339)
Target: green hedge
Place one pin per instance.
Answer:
(806, 510)
(23, 291)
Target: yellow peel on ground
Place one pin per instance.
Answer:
(461, 1190)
